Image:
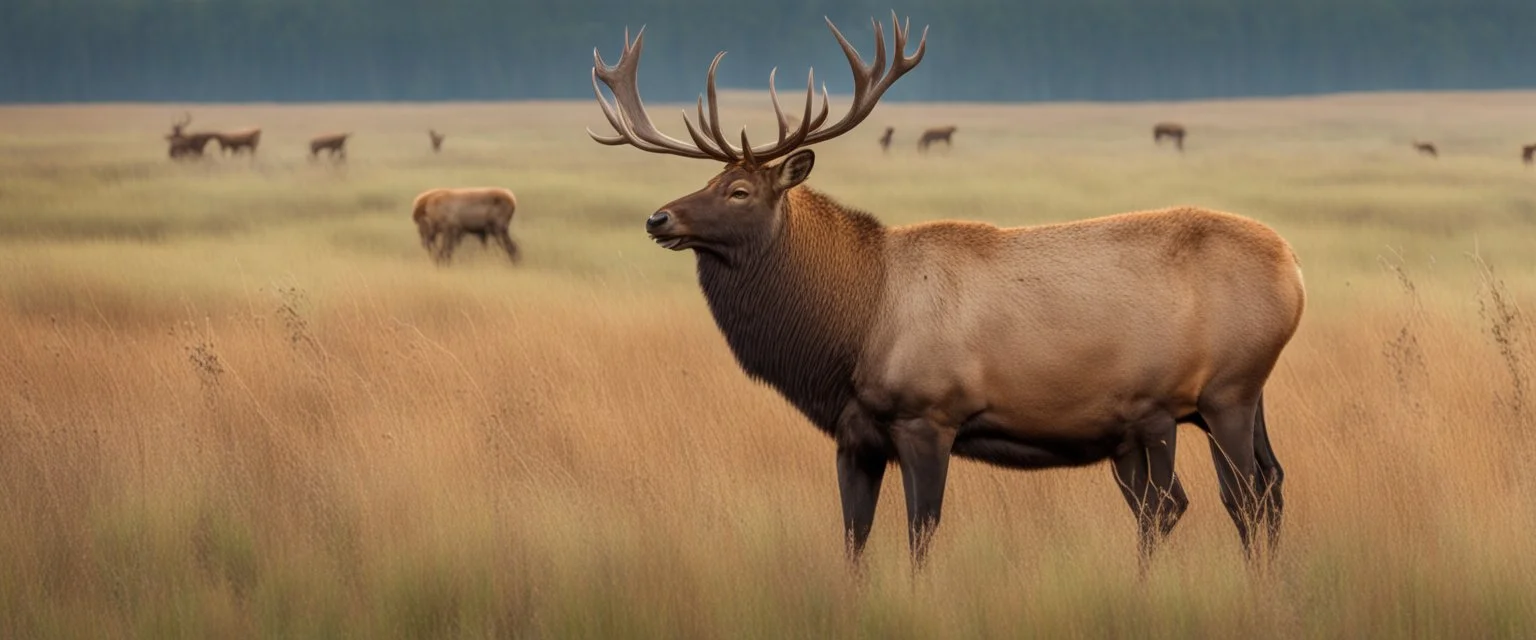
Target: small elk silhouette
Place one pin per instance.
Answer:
(936, 134)
(184, 144)
(334, 144)
(1528, 153)
(234, 141)
(885, 139)
(1426, 148)
(1169, 130)
(437, 140)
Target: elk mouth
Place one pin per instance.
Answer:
(675, 243)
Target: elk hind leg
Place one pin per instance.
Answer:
(1269, 477)
(1150, 486)
(1231, 425)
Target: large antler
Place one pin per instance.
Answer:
(634, 127)
(628, 115)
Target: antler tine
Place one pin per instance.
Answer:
(877, 69)
(746, 149)
(701, 138)
(627, 112)
(825, 107)
(773, 95)
(714, 111)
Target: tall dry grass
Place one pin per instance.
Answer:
(273, 417)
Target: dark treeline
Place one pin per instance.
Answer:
(312, 50)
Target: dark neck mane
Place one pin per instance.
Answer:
(795, 310)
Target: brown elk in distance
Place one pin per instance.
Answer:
(183, 143)
(1023, 347)
(1426, 148)
(935, 134)
(234, 141)
(334, 144)
(1528, 153)
(1168, 130)
(437, 140)
(885, 139)
(444, 216)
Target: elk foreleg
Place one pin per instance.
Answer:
(450, 241)
(504, 239)
(923, 448)
(862, 454)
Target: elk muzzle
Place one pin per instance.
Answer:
(663, 228)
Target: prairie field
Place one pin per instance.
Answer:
(238, 400)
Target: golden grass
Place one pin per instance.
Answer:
(237, 400)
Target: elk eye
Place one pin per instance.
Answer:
(740, 194)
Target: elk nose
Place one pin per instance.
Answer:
(658, 220)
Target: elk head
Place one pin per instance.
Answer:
(741, 206)
(178, 128)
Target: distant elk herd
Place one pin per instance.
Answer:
(187, 145)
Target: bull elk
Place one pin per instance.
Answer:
(1168, 130)
(437, 140)
(234, 141)
(183, 143)
(933, 135)
(1022, 347)
(444, 216)
(1426, 148)
(334, 144)
(885, 139)
(1528, 153)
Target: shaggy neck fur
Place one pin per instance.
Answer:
(796, 307)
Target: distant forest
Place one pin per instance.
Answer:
(978, 50)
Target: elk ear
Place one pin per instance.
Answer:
(795, 169)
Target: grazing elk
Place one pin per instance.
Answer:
(1023, 347)
(444, 216)
(334, 144)
(1528, 153)
(234, 141)
(1168, 130)
(934, 135)
(183, 143)
(437, 140)
(885, 139)
(1426, 148)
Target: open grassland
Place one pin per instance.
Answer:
(237, 400)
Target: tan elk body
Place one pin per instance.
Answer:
(334, 144)
(444, 216)
(936, 134)
(1025, 347)
(234, 141)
